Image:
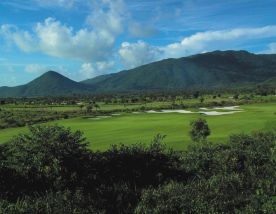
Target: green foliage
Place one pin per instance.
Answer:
(50, 170)
(52, 203)
(20, 118)
(235, 178)
(49, 157)
(199, 130)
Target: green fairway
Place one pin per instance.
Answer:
(132, 128)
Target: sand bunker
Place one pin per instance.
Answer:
(102, 117)
(227, 108)
(171, 111)
(203, 108)
(230, 108)
(209, 112)
(215, 113)
(98, 117)
(177, 111)
(206, 111)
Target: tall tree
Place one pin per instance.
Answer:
(199, 130)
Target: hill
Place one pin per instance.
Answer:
(218, 69)
(50, 83)
(270, 82)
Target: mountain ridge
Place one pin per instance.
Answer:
(207, 70)
(217, 69)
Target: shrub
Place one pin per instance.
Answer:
(199, 130)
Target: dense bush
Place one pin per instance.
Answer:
(50, 170)
(18, 118)
(238, 177)
(54, 203)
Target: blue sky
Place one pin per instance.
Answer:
(85, 38)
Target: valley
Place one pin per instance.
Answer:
(129, 125)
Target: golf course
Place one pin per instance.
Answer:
(141, 127)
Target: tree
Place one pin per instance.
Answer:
(196, 94)
(199, 130)
(97, 106)
(49, 155)
(236, 96)
(89, 108)
(81, 106)
(201, 99)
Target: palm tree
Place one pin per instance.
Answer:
(89, 108)
(81, 106)
(97, 106)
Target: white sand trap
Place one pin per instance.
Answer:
(203, 108)
(171, 111)
(103, 117)
(215, 113)
(136, 112)
(152, 111)
(177, 111)
(94, 118)
(230, 108)
(115, 114)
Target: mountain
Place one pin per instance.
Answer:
(218, 69)
(50, 83)
(97, 79)
(270, 82)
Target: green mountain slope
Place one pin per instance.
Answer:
(208, 70)
(270, 82)
(96, 79)
(49, 84)
(218, 69)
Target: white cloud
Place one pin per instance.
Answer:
(139, 53)
(60, 40)
(271, 49)
(92, 44)
(107, 16)
(212, 40)
(23, 39)
(89, 70)
(35, 68)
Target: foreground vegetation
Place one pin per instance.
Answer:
(51, 170)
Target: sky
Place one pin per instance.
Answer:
(82, 39)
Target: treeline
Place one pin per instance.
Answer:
(131, 97)
(51, 170)
(18, 118)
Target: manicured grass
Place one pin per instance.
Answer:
(133, 128)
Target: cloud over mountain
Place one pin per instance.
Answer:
(139, 53)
